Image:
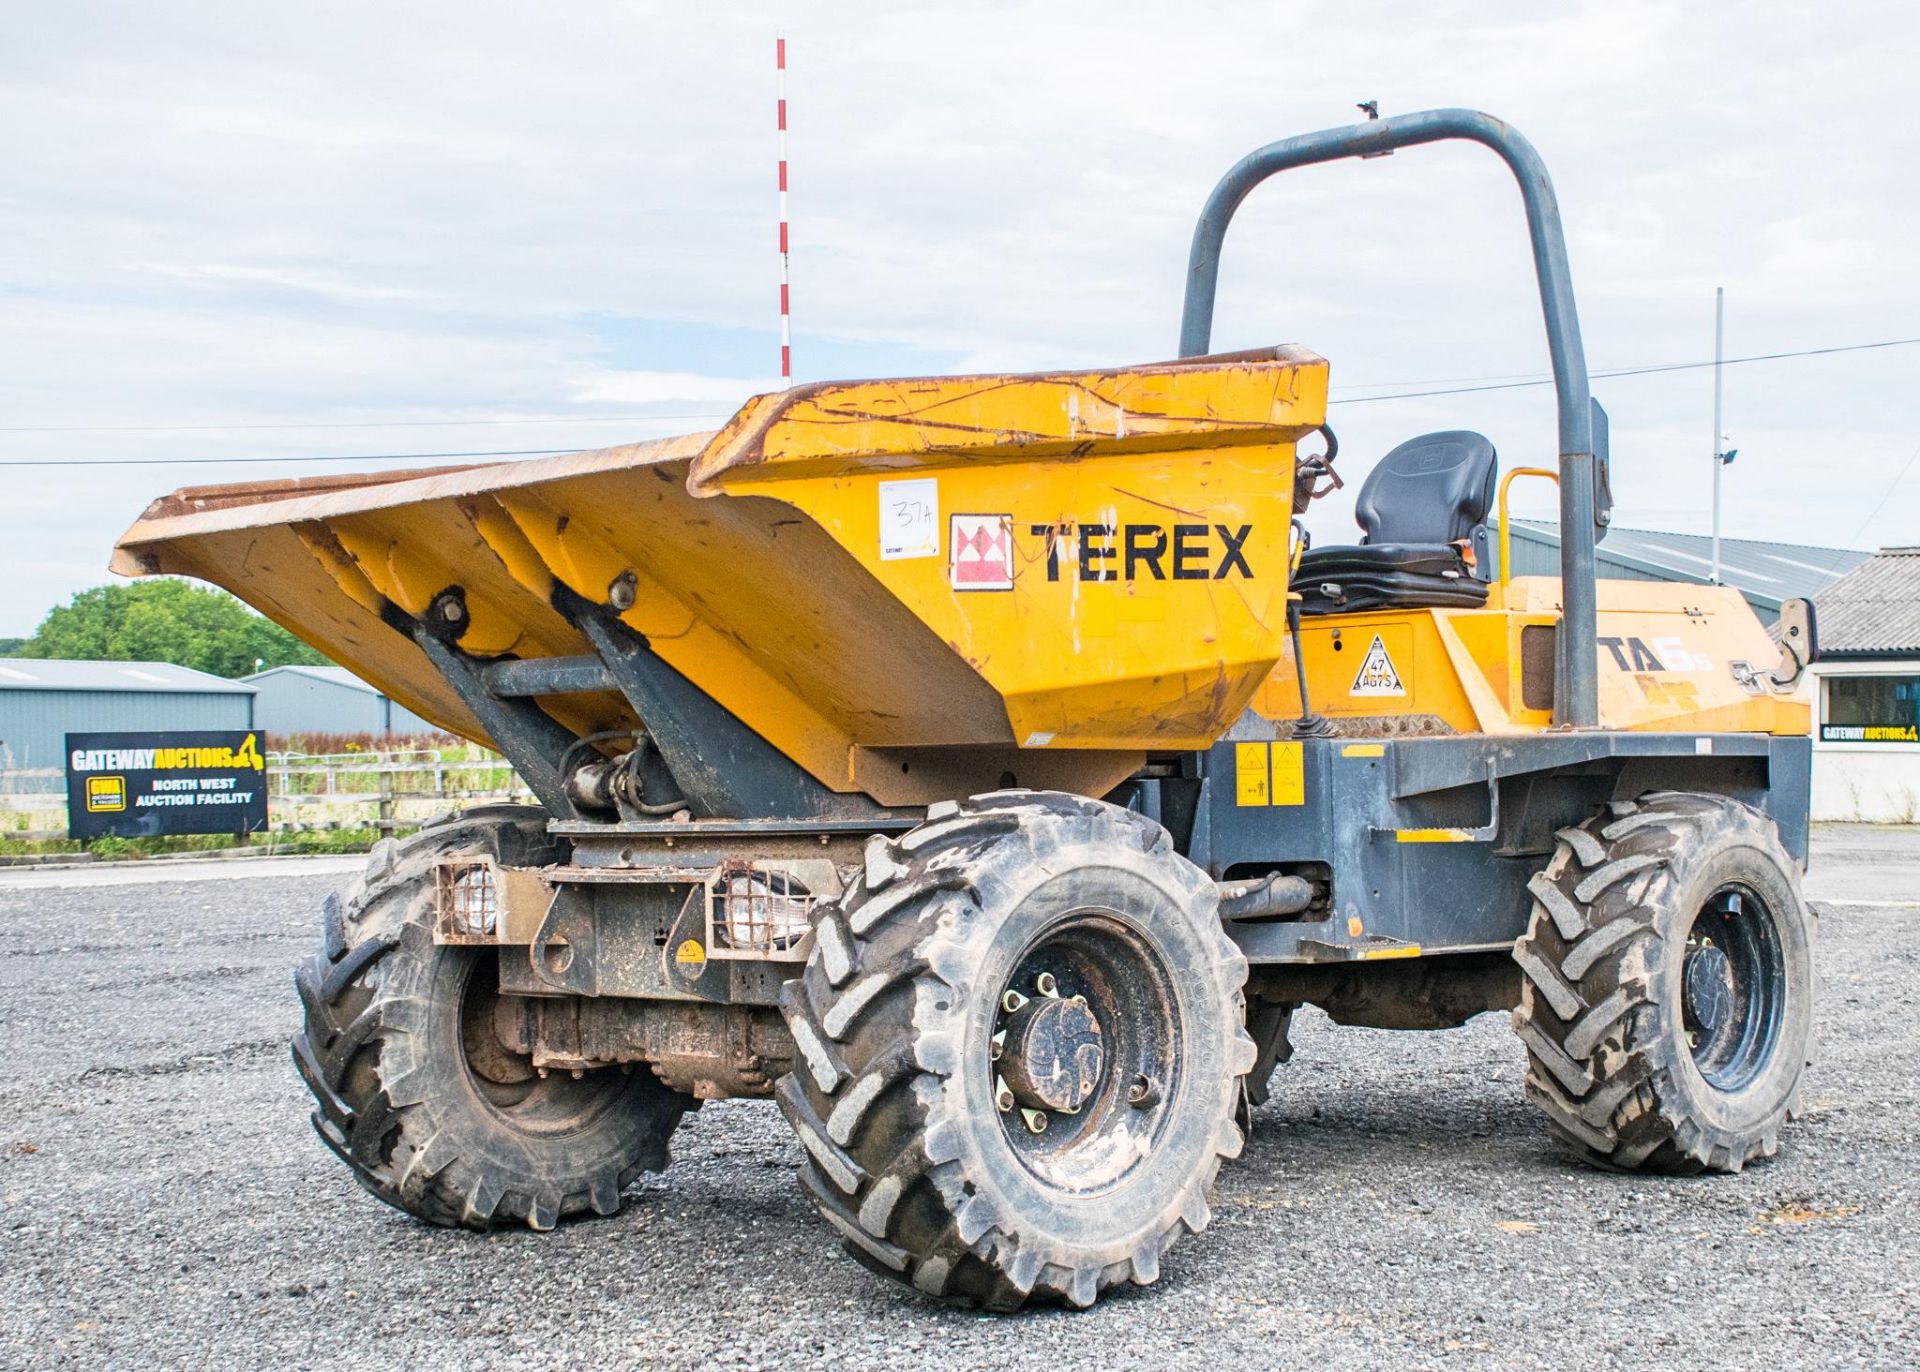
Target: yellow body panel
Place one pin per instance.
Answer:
(1130, 501)
(1667, 654)
(763, 572)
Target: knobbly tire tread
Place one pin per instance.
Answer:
(883, 1164)
(359, 1025)
(1601, 1065)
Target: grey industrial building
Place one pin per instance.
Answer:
(1765, 573)
(42, 701)
(327, 700)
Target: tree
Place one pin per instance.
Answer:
(166, 620)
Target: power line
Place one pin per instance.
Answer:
(1441, 381)
(572, 419)
(348, 424)
(1458, 385)
(1633, 371)
(1885, 496)
(231, 461)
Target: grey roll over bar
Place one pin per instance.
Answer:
(1576, 694)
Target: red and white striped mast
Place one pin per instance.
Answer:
(786, 332)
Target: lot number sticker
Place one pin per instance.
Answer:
(1377, 675)
(909, 519)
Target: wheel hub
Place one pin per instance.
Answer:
(1054, 1053)
(1707, 987)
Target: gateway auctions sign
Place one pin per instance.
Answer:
(140, 785)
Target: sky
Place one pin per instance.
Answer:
(301, 230)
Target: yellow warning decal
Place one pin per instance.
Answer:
(1289, 774)
(1250, 777)
(1434, 835)
(1364, 750)
(1399, 950)
(690, 953)
(1377, 675)
(1269, 774)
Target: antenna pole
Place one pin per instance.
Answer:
(786, 330)
(1719, 439)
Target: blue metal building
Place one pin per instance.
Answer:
(42, 701)
(327, 700)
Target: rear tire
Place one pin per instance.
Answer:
(1667, 994)
(913, 1153)
(415, 1092)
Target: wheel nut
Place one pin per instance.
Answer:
(1045, 984)
(1002, 1095)
(997, 1046)
(1036, 1121)
(1011, 1001)
(1144, 1093)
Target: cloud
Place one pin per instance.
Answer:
(355, 212)
(668, 388)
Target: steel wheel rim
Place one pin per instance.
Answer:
(1102, 960)
(1733, 987)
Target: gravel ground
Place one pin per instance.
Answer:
(163, 1202)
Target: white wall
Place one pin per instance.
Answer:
(1870, 783)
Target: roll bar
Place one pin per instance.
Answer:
(1582, 512)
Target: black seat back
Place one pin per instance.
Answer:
(1436, 488)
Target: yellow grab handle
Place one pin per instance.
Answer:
(1506, 533)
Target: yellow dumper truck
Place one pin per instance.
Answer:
(986, 769)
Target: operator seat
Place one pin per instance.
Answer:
(1423, 510)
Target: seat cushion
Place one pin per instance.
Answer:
(1386, 576)
(1431, 559)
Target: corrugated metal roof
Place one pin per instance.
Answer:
(1766, 573)
(50, 674)
(336, 676)
(1874, 609)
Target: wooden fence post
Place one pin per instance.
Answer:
(385, 822)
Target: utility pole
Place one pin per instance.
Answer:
(1719, 330)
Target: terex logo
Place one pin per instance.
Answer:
(1129, 552)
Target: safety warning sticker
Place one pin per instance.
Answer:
(981, 557)
(1377, 675)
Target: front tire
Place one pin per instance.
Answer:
(1020, 1044)
(415, 1091)
(1667, 1000)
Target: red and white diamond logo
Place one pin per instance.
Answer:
(980, 549)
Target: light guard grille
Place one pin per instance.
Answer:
(759, 912)
(467, 900)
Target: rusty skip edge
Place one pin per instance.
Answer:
(708, 455)
(742, 442)
(226, 509)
